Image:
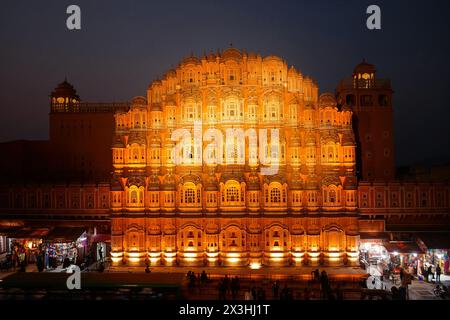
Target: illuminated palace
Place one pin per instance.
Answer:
(230, 159)
(229, 212)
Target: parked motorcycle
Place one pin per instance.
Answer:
(441, 291)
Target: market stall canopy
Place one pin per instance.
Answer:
(65, 234)
(403, 247)
(374, 236)
(435, 240)
(24, 232)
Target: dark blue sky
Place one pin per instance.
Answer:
(123, 45)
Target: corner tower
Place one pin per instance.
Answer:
(370, 99)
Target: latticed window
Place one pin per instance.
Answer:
(275, 195)
(189, 196)
(332, 196)
(232, 194)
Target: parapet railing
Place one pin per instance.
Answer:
(89, 107)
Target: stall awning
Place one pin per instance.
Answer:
(24, 233)
(374, 236)
(402, 247)
(435, 240)
(65, 234)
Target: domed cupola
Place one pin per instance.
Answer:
(64, 93)
(364, 68)
(327, 100)
(232, 53)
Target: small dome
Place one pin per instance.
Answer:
(65, 90)
(364, 67)
(139, 101)
(138, 181)
(232, 53)
(195, 179)
(190, 60)
(327, 100)
(331, 180)
(237, 176)
(273, 58)
(328, 136)
(280, 177)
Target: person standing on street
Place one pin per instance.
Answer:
(430, 272)
(438, 274)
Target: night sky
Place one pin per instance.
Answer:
(123, 45)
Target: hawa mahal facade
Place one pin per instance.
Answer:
(182, 175)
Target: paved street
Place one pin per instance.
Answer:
(297, 278)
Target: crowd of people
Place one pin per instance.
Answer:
(46, 257)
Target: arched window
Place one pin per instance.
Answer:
(136, 196)
(133, 196)
(275, 195)
(189, 195)
(332, 196)
(232, 109)
(232, 193)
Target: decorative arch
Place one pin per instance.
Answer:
(333, 237)
(232, 192)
